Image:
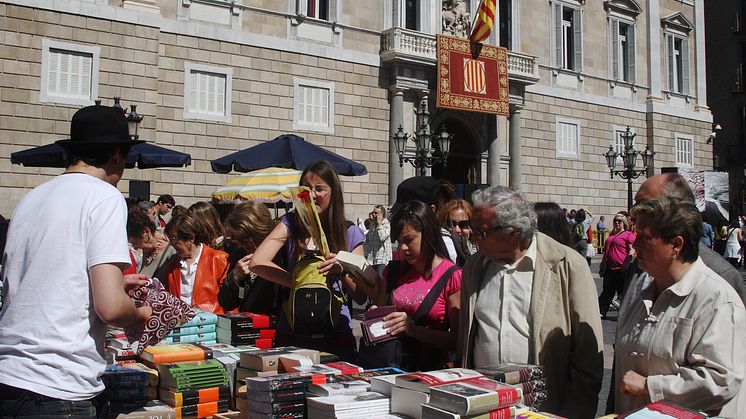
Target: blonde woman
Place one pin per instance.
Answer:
(617, 248)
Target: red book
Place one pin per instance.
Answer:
(475, 396)
(345, 367)
(422, 381)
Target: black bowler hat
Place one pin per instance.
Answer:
(418, 188)
(99, 126)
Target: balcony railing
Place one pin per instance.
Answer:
(399, 44)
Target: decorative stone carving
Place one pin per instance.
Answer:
(455, 17)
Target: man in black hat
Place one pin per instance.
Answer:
(427, 190)
(62, 276)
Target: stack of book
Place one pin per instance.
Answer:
(201, 329)
(131, 385)
(474, 398)
(161, 354)
(265, 362)
(245, 329)
(198, 389)
(529, 377)
(119, 351)
(365, 404)
(279, 396)
(230, 356)
(411, 391)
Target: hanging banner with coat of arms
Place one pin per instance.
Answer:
(472, 77)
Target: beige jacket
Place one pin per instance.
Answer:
(566, 336)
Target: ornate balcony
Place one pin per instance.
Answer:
(408, 46)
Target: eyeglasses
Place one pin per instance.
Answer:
(482, 234)
(319, 189)
(172, 239)
(463, 224)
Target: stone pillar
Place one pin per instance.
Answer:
(493, 157)
(655, 73)
(514, 145)
(396, 118)
(699, 35)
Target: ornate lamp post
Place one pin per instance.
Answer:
(629, 160)
(423, 156)
(133, 122)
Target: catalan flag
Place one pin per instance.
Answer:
(484, 22)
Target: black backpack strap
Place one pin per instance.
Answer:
(427, 304)
(393, 276)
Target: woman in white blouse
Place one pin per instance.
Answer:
(682, 329)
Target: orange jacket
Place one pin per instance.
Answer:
(211, 271)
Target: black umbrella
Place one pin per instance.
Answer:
(289, 151)
(144, 156)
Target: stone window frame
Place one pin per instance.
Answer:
(566, 153)
(77, 49)
(677, 27)
(301, 125)
(681, 139)
(226, 72)
(557, 47)
(616, 62)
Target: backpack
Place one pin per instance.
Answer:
(314, 306)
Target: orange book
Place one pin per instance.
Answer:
(161, 354)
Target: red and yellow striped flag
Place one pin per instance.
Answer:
(484, 22)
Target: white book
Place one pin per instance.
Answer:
(408, 402)
(431, 412)
(362, 413)
(345, 388)
(383, 383)
(340, 403)
(422, 381)
(356, 265)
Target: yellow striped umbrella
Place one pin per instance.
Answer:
(264, 185)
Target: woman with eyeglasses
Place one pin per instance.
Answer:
(407, 283)
(194, 274)
(617, 248)
(455, 216)
(247, 225)
(143, 235)
(326, 191)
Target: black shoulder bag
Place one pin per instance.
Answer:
(404, 353)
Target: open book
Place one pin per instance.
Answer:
(356, 265)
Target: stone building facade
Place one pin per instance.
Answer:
(212, 77)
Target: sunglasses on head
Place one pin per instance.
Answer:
(463, 224)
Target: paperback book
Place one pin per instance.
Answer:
(514, 373)
(161, 354)
(432, 412)
(192, 330)
(267, 359)
(193, 338)
(192, 397)
(422, 381)
(478, 395)
(131, 375)
(243, 321)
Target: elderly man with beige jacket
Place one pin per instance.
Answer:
(526, 298)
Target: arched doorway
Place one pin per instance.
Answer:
(463, 157)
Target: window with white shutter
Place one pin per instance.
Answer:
(676, 30)
(207, 92)
(568, 36)
(69, 73)
(568, 138)
(622, 50)
(313, 106)
(684, 150)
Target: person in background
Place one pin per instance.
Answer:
(733, 239)
(62, 276)
(209, 217)
(163, 205)
(580, 232)
(377, 245)
(142, 234)
(291, 236)
(549, 220)
(424, 262)
(149, 208)
(601, 225)
(682, 328)
(525, 298)
(194, 274)
(248, 224)
(617, 249)
(455, 215)
(708, 235)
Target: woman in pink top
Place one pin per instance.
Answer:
(424, 262)
(617, 248)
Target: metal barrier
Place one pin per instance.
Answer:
(599, 239)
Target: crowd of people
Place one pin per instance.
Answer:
(473, 283)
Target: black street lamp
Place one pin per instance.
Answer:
(629, 160)
(423, 156)
(133, 122)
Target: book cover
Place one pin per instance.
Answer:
(249, 334)
(226, 348)
(161, 354)
(134, 374)
(277, 396)
(194, 338)
(344, 367)
(193, 375)
(131, 393)
(372, 325)
(192, 397)
(422, 381)
(202, 410)
(471, 397)
(367, 375)
(267, 359)
(356, 266)
(534, 399)
(372, 412)
(119, 343)
(665, 409)
(278, 408)
(257, 343)
(289, 361)
(338, 403)
(340, 389)
(432, 412)
(533, 386)
(243, 320)
(148, 410)
(243, 373)
(201, 318)
(281, 382)
(192, 330)
(256, 415)
(514, 373)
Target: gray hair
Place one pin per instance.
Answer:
(510, 208)
(146, 205)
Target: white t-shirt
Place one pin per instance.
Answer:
(51, 340)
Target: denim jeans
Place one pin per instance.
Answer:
(19, 403)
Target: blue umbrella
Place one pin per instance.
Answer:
(288, 151)
(144, 156)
